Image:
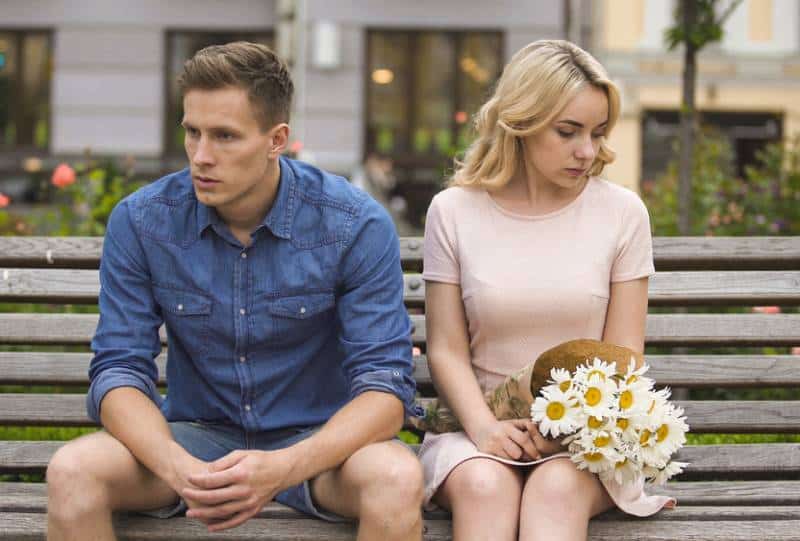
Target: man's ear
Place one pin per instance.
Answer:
(279, 139)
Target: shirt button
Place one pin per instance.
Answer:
(242, 359)
(244, 255)
(396, 373)
(180, 307)
(302, 309)
(242, 311)
(247, 407)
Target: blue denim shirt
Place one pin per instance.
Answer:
(282, 333)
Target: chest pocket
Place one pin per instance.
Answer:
(293, 318)
(186, 315)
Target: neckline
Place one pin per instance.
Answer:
(537, 217)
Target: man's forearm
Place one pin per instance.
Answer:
(370, 417)
(131, 417)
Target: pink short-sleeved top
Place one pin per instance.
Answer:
(531, 282)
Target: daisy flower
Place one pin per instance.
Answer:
(556, 412)
(670, 470)
(597, 397)
(598, 369)
(561, 378)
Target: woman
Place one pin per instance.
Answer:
(526, 249)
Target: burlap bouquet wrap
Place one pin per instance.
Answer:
(512, 399)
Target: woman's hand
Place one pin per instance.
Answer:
(507, 439)
(545, 446)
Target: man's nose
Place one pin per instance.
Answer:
(202, 153)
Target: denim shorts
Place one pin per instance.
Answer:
(209, 442)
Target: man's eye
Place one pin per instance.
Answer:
(225, 136)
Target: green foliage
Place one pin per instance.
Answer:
(706, 27)
(765, 202)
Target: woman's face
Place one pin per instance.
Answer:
(563, 152)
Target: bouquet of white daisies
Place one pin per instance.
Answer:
(614, 425)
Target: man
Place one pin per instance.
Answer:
(289, 348)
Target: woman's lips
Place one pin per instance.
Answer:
(576, 172)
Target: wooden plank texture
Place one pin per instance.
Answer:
(715, 499)
(666, 288)
(670, 253)
(662, 329)
(31, 526)
(727, 460)
(691, 371)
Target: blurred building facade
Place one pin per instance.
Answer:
(748, 86)
(375, 78)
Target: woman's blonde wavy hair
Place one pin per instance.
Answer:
(535, 86)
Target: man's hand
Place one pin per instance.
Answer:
(237, 486)
(182, 466)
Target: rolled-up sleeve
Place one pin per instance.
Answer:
(375, 328)
(126, 341)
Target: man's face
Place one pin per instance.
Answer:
(228, 150)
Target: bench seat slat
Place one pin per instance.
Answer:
(666, 288)
(781, 497)
(31, 526)
(704, 459)
(741, 416)
(669, 253)
(691, 371)
(662, 329)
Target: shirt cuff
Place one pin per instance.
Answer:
(388, 381)
(113, 378)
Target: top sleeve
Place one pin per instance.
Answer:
(634, 256)
(375, 330)
(126, 341)
(440, 258)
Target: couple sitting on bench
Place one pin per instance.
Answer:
(290, 364)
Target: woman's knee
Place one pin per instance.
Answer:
(558, 481)
(483, 480)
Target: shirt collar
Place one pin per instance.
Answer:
(280, 216)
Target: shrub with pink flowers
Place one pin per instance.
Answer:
(766, 201)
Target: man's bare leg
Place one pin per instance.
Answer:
(89, 478)
(381, 485)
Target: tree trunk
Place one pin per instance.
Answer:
(689, 16)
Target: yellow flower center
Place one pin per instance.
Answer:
(596, 373)
(644, 437)
(593, 457)
(623, 423)
(631, 379)
(625, 400)
(564, 386)
(662, 433)
(601, 441)
(555, 410)
(595, 422)
(621, 463)
(593, 396)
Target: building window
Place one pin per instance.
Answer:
(746, 132)
(422, 89)
(26, 66)
(182, 45)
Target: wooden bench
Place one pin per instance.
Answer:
(730, 492)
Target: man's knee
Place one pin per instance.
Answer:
(73, 486)
(395, 480)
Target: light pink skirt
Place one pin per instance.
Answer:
(441, 453)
